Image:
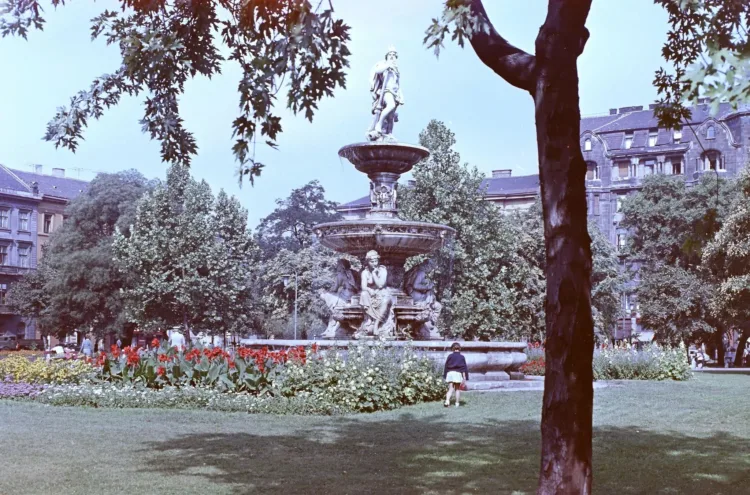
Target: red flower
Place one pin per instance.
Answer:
(161, 371)
(101, 359)
(155, 342)
(163, 358)
(133, 359)
(232, 365)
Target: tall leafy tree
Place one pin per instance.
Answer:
(669, 226)
(77, 285)
(189, 256)
(727, 256)
(606, 277)
(290, 225)
(488, 289)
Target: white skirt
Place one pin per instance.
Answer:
(454, 377)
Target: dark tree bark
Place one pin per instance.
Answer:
(551, 78)
(741, 343)
(719, 343)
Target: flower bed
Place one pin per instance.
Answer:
(535, 365)
(653, 362)
(624, 362)
(56, 371)
(11, 389)
(295, 381)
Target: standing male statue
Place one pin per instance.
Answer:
(386, 95)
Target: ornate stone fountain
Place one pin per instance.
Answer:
(382, 301)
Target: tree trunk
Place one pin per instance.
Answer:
(551, 77)
(568, 382)
(719, 343)
(741, 343)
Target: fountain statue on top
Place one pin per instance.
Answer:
(385, 86)
(386, 303)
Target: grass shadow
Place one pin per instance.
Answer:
(405, 454)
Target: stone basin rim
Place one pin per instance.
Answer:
(383, 145)
(416, 344)
(385, 221)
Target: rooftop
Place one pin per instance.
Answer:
(52, 185)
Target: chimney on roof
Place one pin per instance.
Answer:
(631, 109)
(35, 187)
(503, 172)
(58, 172)
(613, 111)
(38, 169)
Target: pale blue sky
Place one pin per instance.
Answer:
(493, 121)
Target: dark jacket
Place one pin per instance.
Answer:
(456, 362)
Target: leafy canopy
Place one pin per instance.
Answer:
(287, 44)
(709, 48)
(290, 225)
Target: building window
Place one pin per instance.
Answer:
(592, 171)
(23, 220)
(596, 204)
(676, 167)
(3, 254)
(47, 223)
(652, 138)
(24, 255)
(4, 218)
(649, 167)
(622, 170)
(711, 132)
(712, 161)
(630, 301)
(621, 242)
(587, 145)
(677, 135)
(3, 294)
(628, 141)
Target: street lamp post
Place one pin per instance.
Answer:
(285, 278)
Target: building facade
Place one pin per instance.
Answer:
(620, 149)
(32, 206)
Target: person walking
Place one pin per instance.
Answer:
(87, 348)
(454, 372)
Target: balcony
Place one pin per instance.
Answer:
(13, 270)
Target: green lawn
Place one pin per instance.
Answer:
(691, 437)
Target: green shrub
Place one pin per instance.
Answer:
(653, 362)
(372, 377)
(169, 397)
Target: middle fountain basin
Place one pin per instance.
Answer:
(395, 240)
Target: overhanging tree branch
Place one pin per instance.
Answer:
(512, 64)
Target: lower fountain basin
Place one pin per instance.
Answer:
(487, 361)
(395, 240)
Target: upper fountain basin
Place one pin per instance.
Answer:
(374, 157)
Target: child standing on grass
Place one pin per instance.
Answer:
(454, 372)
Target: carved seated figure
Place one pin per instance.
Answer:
(419, 287)
(377, 299)
(344, 288)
